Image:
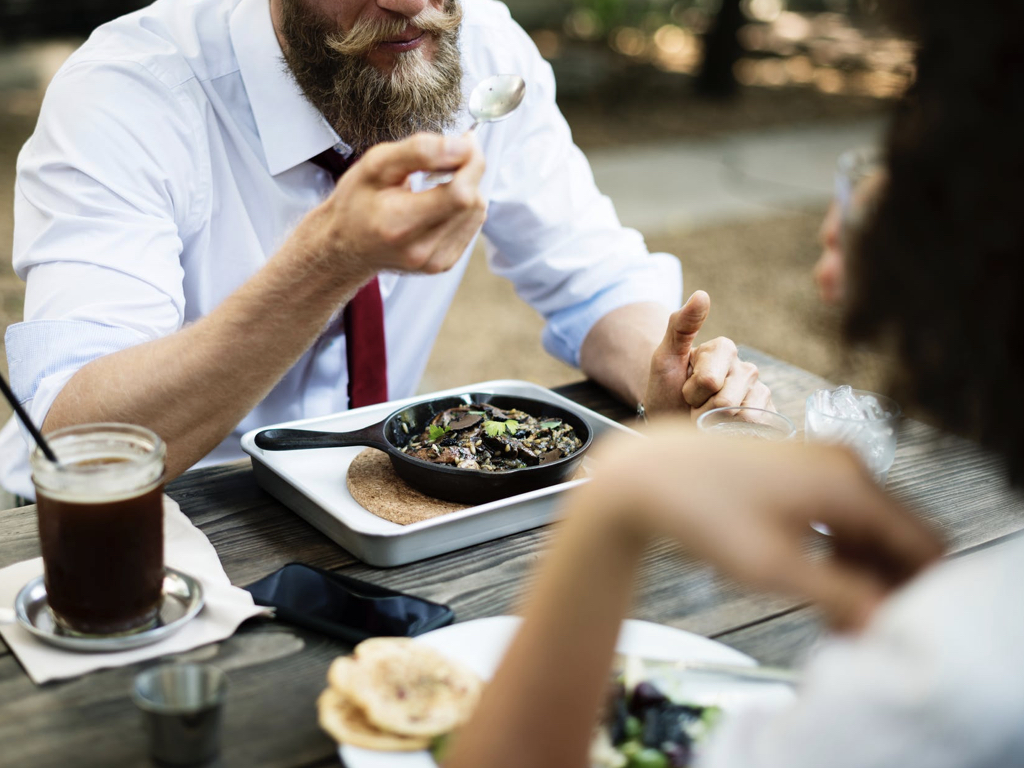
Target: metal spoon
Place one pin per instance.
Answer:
(491, 100)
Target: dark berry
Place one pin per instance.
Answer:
(645, 696)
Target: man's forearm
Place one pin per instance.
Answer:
(194, 386)
(617, 351)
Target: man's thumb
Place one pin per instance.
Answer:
(391, 163)
(686, 322)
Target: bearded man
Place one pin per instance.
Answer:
(222, 222)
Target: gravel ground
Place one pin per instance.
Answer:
(757, 273)
(759, 277)
(665, 110)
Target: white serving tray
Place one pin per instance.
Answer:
(312, 484)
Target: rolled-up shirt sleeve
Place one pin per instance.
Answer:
(550, 230)
(103, 199)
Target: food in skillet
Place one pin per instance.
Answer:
(480, 436)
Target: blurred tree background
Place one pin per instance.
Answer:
(763, 61)
(637, 70)
(703, 75)
(832, 45)
(26, 19)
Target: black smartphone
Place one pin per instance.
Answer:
(343, 607)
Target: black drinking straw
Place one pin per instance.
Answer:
(27, 421)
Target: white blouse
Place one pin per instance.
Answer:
(936, 681)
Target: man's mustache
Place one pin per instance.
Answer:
(367, 34)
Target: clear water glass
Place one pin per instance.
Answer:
(865, 421)
(746, 421)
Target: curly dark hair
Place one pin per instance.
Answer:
(939, 266)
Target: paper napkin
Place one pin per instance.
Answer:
(186, 549)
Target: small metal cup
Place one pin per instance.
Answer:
(181, 706)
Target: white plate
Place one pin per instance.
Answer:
(480, 644)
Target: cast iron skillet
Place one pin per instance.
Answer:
(469, 486)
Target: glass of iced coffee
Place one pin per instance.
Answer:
(101, 527)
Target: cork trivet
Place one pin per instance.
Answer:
(375, 485)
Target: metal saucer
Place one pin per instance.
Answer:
(182, 600)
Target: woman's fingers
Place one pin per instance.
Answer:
(878, 533)
(746, 507)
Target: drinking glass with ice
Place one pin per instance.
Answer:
(865, 421)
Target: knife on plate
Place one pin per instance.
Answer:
(707, 669)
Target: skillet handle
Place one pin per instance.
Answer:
(302, 439)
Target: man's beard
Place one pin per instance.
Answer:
(364, 105)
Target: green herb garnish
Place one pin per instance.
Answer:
(512, 426)
(436, 432)
(550, 424)
(634, 728)
(440, 747)
(495, 428)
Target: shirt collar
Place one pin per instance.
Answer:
(290, 128)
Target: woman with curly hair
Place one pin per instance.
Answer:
(927, 661)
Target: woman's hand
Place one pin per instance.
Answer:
(746, 508)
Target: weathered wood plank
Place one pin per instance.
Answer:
(492, 578)
(274, 675)
(252, 532)
(781, 641)
(948, 480)
(19, 535)
(786, 638)
(790, 385)
(276, 672)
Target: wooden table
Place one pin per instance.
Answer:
(276, 672)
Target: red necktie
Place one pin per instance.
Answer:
(364, 323)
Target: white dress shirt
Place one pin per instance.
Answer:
(170, 162)
(936, 681)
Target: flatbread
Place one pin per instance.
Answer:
(338, 674)
(347, 724)
(382, 646)
(377, 488)
(407, 688)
